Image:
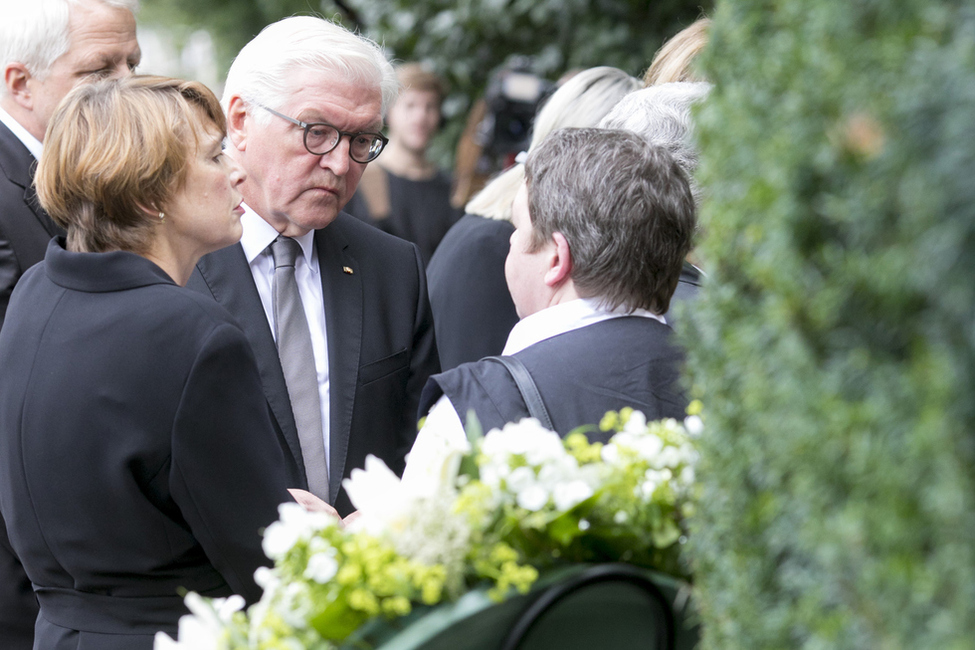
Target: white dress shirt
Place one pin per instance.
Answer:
(256, 240)
(33, 145)
(542, 325)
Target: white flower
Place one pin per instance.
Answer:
(668, 457)
(378, 495)
(204, 628)
(294, 524)
(694, 425)
(645, 445)
(434, 461)
(533, 498)
(527, 438)
(322, 567)
(610, 454)
(558, 470)
(567, 495)
(620, 517)
(652, 480)
(493, 473)
(520, 479)
(637, 424)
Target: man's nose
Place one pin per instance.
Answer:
(337, 160)
(122, 70)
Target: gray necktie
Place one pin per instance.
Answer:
(298, 363)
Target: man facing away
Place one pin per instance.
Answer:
(335, 310)
(47, 47)
(602, 226)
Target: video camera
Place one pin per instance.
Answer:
(513, 95)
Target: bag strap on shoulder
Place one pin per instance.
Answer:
(527, 388)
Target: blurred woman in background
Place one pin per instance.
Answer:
(675, 60)
(403, 192)
(137, 457)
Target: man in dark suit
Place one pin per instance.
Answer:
(304, 101)
(96, 39)
(601, 230)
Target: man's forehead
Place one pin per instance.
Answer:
(329, 95)
(99, 31)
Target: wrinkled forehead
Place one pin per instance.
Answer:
(333, 95)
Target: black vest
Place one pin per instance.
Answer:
(582, 374)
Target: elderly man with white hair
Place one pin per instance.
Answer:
(47, 47)
(335, 310)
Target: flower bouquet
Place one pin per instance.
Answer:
(484, 514)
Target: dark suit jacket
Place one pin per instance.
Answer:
(135, 453)
(381, 346)
(25, 230)
(472, 308)
(580, 374)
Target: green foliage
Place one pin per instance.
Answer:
(833, 345)
(464, 40)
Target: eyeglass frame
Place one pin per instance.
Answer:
(307, 125)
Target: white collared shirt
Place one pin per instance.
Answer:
(257, 237)
(33, 145)
(545, 324)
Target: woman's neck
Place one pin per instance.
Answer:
(174, 259)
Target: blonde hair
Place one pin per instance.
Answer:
(115, 151)
(415, 76)
(581, 101)
(675, 60)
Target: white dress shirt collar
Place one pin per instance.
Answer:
(33, 145)
(258, 235)
(562, 318)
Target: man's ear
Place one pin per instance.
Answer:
(16, 77)
(236, 123)
(560, 261)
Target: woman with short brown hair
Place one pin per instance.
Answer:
(137, 457)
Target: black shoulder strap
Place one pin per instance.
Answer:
(527, 388)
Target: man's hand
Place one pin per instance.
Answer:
(311, 503)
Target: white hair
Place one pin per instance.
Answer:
(261, 71)
(580, 102)
(662, 115)
(35, 32)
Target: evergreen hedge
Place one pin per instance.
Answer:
(834, 345)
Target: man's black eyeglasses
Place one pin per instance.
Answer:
(321, 137)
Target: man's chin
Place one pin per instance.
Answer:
(314, 221)
(314, 215)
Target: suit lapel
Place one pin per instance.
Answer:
(229, 279)
(18, 165)
(342, 293)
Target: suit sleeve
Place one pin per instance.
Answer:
(228, 474)
(425, 360)
(9, 270)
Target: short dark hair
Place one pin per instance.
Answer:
(623, 205)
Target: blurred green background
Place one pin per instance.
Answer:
(463, 40)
